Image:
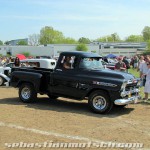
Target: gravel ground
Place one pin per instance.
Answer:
(66, 120)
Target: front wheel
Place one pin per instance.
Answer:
(99, 102)
(27, 93)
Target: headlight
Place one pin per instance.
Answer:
(124, 86)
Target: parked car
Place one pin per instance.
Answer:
(108, 65)
(83, 78)
(4, 73)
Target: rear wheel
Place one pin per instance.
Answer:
(100, 102)
(27, 93)
(1, 81)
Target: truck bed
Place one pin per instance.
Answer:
(45, 75)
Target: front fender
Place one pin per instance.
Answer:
(113, 90)
(19, 77)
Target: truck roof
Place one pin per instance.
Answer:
(79, 53)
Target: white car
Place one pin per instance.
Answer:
(4, 73)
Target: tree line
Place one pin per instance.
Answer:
(48, 35)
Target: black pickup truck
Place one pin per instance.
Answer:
(85, 78)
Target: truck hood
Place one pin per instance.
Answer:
(107, 73)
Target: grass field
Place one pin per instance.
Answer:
(134, 72)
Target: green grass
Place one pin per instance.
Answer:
(134, 72)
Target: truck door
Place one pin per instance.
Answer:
(66, 80)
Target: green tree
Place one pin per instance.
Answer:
(6, 43)
(50, 36)
(69, 41)
(84, 40)
(22, 43)
(134, 38)
(1, 43)
(81, 47)
(148, 46)
(102, 39)
(27, 54)
(146, 33)
(147, 51)
(115, 37)
(109, 38)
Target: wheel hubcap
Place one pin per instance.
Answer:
(99, 102)
(25, 93)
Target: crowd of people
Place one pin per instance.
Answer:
(142, 65)
(6, 60)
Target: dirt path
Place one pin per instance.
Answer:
(65, 120)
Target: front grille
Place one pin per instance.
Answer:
(132, 85)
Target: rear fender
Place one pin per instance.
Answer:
(20, 77)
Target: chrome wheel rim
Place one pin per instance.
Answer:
(99, 102)
(26, 93)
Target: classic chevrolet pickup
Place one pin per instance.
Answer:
(83, 78)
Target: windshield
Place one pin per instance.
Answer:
(91, 63)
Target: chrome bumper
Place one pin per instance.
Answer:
(125, 101)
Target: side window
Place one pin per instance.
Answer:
(68, 62)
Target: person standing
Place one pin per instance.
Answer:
(120, 65)
(141, 61)
(135, 62)
(147, 84)
(126, 63)
(17, 62)
(144, 70)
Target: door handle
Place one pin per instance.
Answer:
(59, 69)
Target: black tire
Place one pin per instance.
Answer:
(52, 96)
(99, 102)
(1, 81)
(27, 93)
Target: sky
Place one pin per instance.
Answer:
(74, 18)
